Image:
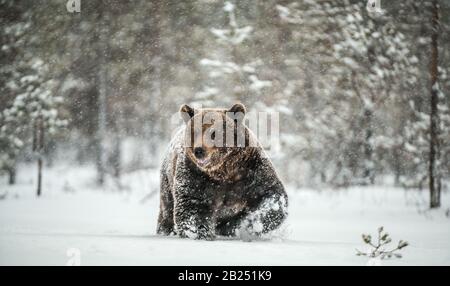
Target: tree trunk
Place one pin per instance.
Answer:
(102, 93)
(39, 144)
(116, 155)
(368, 173)
(100, 160)
(397, 166)
(12, 175)
(156, 48)
(39, 182)
(433, 172)
(153, 43)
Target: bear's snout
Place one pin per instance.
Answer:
(199, 152)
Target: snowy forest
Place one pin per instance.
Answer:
(90, 93)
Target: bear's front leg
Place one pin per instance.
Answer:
(265, 217)
(165, 218)
(192, 212)
(193, 217)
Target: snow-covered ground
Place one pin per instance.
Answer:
(116, 225)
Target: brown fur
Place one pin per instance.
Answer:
(225, 163)
(228, 189)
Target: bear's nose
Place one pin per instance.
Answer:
(199, 152)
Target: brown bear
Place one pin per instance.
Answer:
(217, 180)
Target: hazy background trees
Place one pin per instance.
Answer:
(355, 90)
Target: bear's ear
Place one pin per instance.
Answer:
(238, 107)
(237, 112)
(186, 112)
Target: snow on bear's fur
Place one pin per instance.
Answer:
(228, 190)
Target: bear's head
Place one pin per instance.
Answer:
(215, 138)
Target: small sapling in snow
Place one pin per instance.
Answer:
(379, 249)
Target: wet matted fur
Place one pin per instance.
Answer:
(230, 190)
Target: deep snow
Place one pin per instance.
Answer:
(111, 226)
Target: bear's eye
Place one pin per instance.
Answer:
(213, 135)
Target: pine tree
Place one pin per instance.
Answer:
(235, 72)
(33, 113)
(427, 129)
(375, 54)
(344, 85)
(12, 37)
